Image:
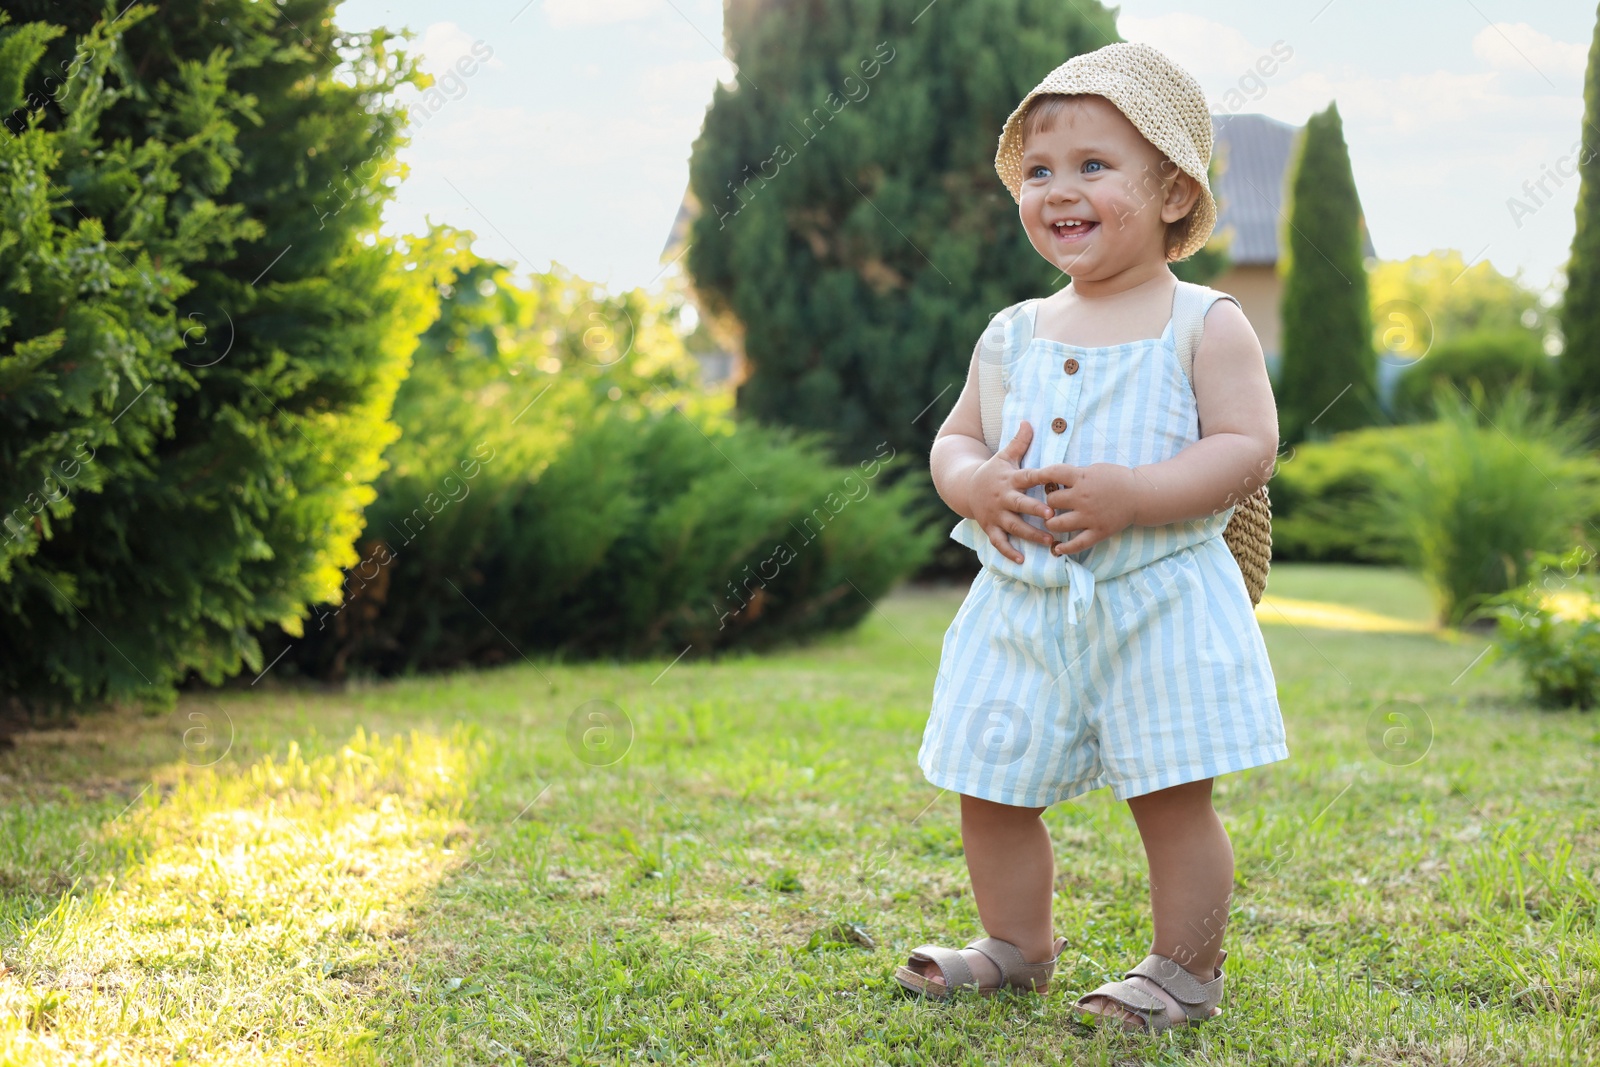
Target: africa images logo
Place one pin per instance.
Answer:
(855, 90)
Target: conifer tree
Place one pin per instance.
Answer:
(852, 231)
(1328, 380)
(1580, 312)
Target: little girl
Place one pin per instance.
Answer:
(1113, 642)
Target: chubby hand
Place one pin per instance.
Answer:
(1090, 503)
(997, 494)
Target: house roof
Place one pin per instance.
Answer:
(680, 224)
(1254, 152)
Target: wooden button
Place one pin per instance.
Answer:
(1070, 366)
(1058, 424)
(1051, 487)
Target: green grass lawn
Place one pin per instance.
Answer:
(654, 862)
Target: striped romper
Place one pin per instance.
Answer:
(1135, 663)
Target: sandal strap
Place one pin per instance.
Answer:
(951, 965)
(1014, 970)
(1184, 987)
(1149, 1007)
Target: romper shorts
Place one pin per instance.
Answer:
(1152, 683)
(1136, 663)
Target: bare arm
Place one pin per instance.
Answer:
(1238, 429)
(979, 484)
(959, 449)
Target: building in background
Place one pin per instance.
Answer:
(721, 360)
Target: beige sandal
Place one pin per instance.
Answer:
(1015, 972)
(1198, 999)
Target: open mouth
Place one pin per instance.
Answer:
(1073, 230)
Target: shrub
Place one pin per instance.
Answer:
(1551, 625)
(1489, 488)
(1497, 360)
(563, 484)
(201, 346)
(641, 537)
(1326, 503)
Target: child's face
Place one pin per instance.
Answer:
(1095, 167)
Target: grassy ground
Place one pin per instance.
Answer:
(660, 863)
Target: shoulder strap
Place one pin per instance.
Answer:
(1008, 333)
(1189, 306)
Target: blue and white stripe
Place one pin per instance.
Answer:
(1136, 663)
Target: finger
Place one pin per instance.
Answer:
(1017, 447)
(1061, 474)
(1077, 543)
(1022, 503)
(1018, 527)
(998, 538)
(1065, 522)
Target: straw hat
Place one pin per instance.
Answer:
(1160, 98)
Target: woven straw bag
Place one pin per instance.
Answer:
(1249, 530)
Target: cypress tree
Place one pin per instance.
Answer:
(1580, 312)
(201, 333)
(852, 230)
(1328, 380)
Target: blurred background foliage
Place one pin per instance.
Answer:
(564, 482)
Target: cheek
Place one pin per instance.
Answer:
(1117, 200)
(1030, 211)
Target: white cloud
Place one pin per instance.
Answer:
(1209, 50)
(1517, 46)
(442, 43)
(563, 13)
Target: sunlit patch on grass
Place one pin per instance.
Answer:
(1567, 606)
(265, 904)
(1329, 616)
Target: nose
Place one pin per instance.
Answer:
(1061, 189)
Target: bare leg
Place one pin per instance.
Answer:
(1191, 882)
(1012, 868)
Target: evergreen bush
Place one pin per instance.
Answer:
(201, 331)
(1328, 377)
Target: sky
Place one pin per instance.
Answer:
(569, 142)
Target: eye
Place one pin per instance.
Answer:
(1092, 163)
(1033, 170)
